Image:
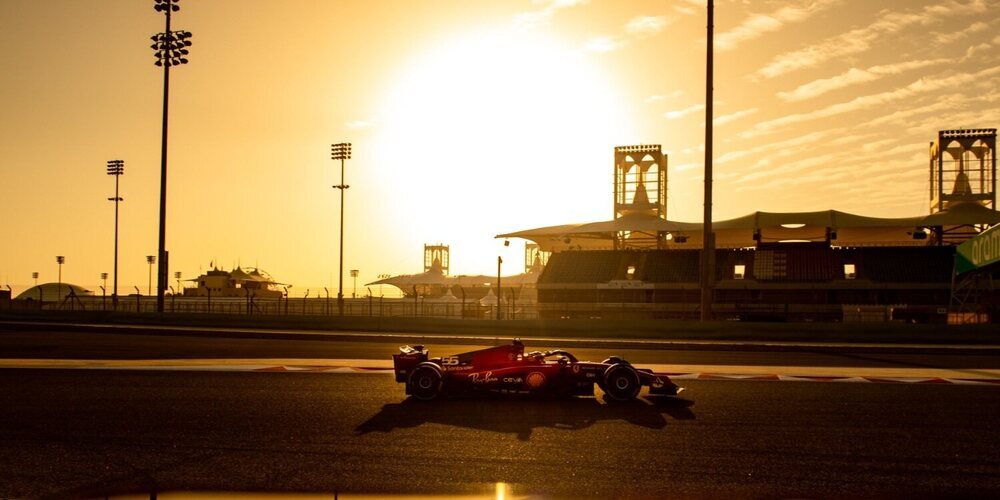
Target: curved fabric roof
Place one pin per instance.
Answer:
(52, 292)
(852, 229)
(406, 282)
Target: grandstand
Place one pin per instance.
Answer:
(805, 266)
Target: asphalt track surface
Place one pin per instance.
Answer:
(90, 433)
(73, 433)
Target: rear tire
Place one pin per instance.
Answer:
(621, 382)
(425, 381)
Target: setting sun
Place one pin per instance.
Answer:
(477, 117)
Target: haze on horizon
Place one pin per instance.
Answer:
(467, 119)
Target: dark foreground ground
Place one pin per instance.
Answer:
(91, 433)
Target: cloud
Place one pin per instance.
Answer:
(759, 24)
(603, 44)
(662, 97)
(974, 50)
(359, 125)
(861, 40)
(646, 25)
(637, 27)
(686, 166)
(921, 86)
(680, 113)
(541, 17)
(946, 38)
(721, 120)
(854, 76)
(684, 10)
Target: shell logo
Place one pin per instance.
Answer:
(535, 380)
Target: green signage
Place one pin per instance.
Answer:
(980, 251)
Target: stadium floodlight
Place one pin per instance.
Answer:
(117, 169)
(150, 259)
(170, 49)
(341, 151)
(60, 260)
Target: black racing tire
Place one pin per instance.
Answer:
(425, 381)
(621, 382)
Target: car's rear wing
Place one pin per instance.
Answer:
(407, 359)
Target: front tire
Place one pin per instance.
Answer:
(621, 382)
(425, 381)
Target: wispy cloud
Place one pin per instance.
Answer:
(662, 97)
(722, 120)
(759, 24)
(861, 40)
(603, 44)
(854, 76)
(646, 25)
(946, 38)
(680, 113)
(541, 16)
(637, 27)
(987, 76)
(359, 124)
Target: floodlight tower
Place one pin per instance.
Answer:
(170, 48)
(534, 258)
(640, 189)
(437, 258)
(341, 151)
(116, 168)
(60, 260)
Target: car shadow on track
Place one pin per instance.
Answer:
(521, 416)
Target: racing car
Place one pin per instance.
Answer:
(507, 369)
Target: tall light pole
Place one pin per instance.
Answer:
(34, 275)
(708, 246)
(499, 293)
(341, 151)
(170, 48)
(104, 288)
(60, 260)
(116, 168)
(150, 259)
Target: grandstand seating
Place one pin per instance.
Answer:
(594, 266)
(905, 264)
(772, 263)
(798, 281)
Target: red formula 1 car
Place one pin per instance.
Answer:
(508, 369)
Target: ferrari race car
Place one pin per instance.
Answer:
(508, 369)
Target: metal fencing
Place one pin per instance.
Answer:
(299, 306)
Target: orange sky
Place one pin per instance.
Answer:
(468, 119)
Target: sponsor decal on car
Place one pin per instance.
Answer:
(576, 368)
(535, 380)
(457, 368)
(480, 378)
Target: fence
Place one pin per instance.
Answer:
(312, 306)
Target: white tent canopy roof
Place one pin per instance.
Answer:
(851, 229)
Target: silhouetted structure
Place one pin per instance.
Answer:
(825, 265)
(235, 283)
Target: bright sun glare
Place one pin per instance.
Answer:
(492, 115)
